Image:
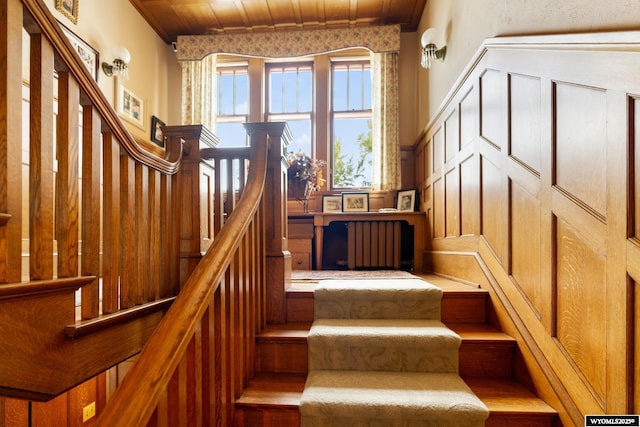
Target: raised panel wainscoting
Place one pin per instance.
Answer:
(538, 141)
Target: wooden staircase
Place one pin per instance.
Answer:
(489, 362)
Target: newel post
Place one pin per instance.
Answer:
(278, 268)
(193, 222)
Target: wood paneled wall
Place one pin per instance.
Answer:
(528, 174)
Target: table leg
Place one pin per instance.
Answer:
(319, 237)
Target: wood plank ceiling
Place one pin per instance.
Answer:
(171, 18)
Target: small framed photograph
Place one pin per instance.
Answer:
(130, 106)
(68, 8)
(331, 203)
(406, 200)
(89, 56)
(157, 131)
(355, 202)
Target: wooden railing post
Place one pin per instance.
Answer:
(194, 202)
(278, 269)
(10, 142)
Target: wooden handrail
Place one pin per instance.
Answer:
(137, 397)
(82, 328)
(16, 290)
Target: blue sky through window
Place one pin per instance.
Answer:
(291, 89)
(291, 100)
(301, 131)
(351, 102)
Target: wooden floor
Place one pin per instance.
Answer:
(487, 358)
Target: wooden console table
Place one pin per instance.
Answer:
(373, 237)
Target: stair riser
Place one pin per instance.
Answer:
(300, 308)
(278, 417)
(366, 309)
(285, 357)
(519, 420)
(479, 359)
(382, 359)
(455, 308)
(463, 308)
(266, 417)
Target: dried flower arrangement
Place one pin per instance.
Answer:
(305, 175)
(306, 169)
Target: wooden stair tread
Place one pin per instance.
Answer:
(480, 332)
(508, 396)
(452, 285)
(500, 395)
(287, 332)
(469, 332)
(267, 390)
(304, 288)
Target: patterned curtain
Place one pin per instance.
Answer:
(283, 44)
(199, 92)
(197, 55)
(385, 135)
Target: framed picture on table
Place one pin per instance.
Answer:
(406, 200)
(355, 202)
(332, 203)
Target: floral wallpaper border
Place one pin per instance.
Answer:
(290, 43)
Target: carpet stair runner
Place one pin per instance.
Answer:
(380, 356)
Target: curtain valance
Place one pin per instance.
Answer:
(289, 44)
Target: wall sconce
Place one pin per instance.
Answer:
(430, 51)
(120, 65)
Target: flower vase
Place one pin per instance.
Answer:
(300, 190)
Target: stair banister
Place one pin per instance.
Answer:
(135, 401)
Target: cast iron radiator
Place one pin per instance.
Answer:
(374, 244)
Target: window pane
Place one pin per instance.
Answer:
(225, 94)
(301, 131)
(305, 92)
(352, 153)
(367, 89)
(275, 92)
(351, 87)
(233, 91)
(340, 89)
(242, 94)
(351, 125)
(355, 89)
(231, 134)
(290, 91)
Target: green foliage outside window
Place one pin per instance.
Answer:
(349, 171)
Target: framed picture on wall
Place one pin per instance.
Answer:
(157, 131)
(89, 56)
(355, 202)
(406, 200)
(129, 106)
(68, 8)
(332, 203)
